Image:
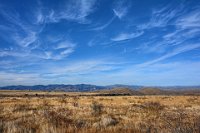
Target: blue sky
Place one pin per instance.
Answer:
(102, 42)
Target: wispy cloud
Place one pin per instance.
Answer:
(21, 32)
(121, 8)
(171, 73)
(101, 27)
(92, 42)
(87, 66)
(60, 51)
(191, 20)
(73, 11)
(180, 36)
(82, 67)
(50, 72)
(126, 36)
(162, 17)
(169, 41)
(26, 41)
(26, 36)
(39, 16)
(185, 28)
(13, 78)
(13, 53)
(176, 51)
(65, 44)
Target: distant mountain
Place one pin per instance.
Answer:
(124, 86)
(112, 89)
(68, 88)
(119, 91)
(147, 91)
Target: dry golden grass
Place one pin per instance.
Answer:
(90, 114)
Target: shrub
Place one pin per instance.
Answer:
(96, 108)
(153, 107)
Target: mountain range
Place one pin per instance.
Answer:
(89, 87)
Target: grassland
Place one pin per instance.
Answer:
(51, 112)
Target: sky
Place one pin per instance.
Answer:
(102, 42)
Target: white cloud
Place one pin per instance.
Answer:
(126, 36)
(14, 53)
(119, 14)
(82, 67)
(191, 20)
(12, 78)
(21, 32)
(104, 25)
(73, 11)
(176, 51)
(59, 51)
(179, 36)
(121, 8)
(30, 38)
(65, 44)
(92, 42)
(185, 26)
(162, 17)
(88, 66)
(40, 18)
(172, 73)
(67, 52)
(7, 78)
(25, 35)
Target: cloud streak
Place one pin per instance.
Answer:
(175, 52)
(191, 20)
(72, 11)
(60, 51)
(126, 36)
(121, 8)
(162, 17)
(21, 32)
(104, 25)
(185, 28)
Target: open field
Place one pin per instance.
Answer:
(69, 112)
(19, 93)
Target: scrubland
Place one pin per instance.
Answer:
(100, 114)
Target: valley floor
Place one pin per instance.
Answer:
(90, 114)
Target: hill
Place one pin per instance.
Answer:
(119, 91)
(156, 91)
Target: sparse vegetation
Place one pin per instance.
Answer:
(90, 114)
(96, 108)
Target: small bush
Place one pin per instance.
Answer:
(96, 108)
(153, 107)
